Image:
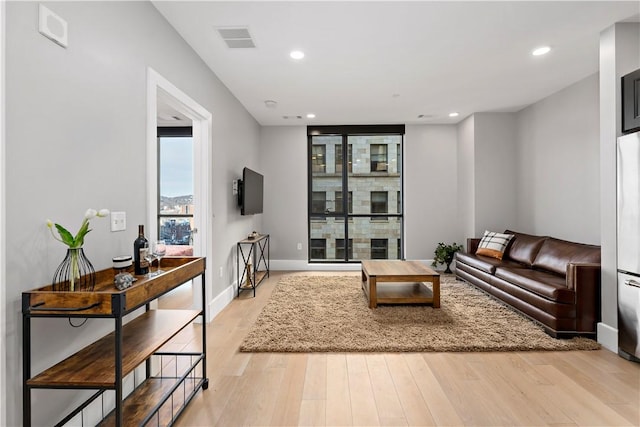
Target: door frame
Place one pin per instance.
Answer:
(3, 329)
(202, 151)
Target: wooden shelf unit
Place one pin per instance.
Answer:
(257, 255)
(103, 364)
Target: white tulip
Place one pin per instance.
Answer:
(103, 212)
(91, 213)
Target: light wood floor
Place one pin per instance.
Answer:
(596, 388)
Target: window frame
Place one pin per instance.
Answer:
(345, 132)
(168, 132)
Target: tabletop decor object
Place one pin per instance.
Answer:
(75, 272)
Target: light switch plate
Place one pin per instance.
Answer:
(53, 27)
(118, 221)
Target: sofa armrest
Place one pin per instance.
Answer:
(472, 245)
(584, 279)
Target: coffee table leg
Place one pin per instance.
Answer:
(373, 298)
(436, 291)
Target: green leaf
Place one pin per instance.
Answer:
(79, 239)
(66, 237)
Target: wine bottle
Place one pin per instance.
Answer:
(140, 248)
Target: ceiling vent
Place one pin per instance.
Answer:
(236, 37)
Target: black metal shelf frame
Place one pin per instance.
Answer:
(255, 253)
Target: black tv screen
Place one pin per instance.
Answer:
(250, 192)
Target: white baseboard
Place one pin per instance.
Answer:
(303, 265)
(223, 299)
(608, 337)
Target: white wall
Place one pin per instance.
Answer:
(3, 353)
(558, 190)
(283, 159)
(466, 179)
(430, 189)
(619, 55)
(496, 172)
(75, 135)
(429, 185)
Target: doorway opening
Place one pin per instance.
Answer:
(164, 98)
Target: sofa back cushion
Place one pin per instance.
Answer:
(555, 254)
(523, 247)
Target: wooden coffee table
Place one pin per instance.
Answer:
(399, 282)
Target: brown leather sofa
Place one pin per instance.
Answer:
(552, 281)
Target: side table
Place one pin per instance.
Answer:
(253, 255)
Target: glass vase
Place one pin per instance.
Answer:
(75, 273)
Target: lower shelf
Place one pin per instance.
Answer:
(158, 401)
(403, 293)
(260, 276)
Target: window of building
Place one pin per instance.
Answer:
(399, 249)
(319, 202)
(379, 248)
(318, 158)
(379, 158)
(340, 249)
(339, 202)
(379, 204)
(399, 203)
(318, 249)
(339, 160)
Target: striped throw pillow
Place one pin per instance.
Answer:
(493, 244)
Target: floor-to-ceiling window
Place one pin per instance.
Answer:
(175, 185)
(355, 192)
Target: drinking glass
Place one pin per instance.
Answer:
(149, 256)
(159, 250)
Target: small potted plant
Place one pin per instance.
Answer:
(444, 255)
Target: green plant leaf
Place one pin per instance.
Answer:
(79, 239)
(66, 237)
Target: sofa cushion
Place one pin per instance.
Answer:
(556, 254)
(541, 283)
(523, 247)
(493, 244)
(482, 263)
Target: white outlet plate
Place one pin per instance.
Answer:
(118, 221)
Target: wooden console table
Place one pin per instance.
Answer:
(254, 259)
(160, 398)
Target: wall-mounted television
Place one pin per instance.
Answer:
(250, 191)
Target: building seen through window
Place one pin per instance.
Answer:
(366, 169)
(175, 185)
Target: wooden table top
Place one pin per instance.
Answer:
(396, 268)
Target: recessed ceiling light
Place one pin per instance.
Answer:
(297, 54)
(454, 114)
(311, 116)
(270, 103)
(541, 50)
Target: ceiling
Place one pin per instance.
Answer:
(390, 62)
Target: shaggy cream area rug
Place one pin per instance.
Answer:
(331, 314)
